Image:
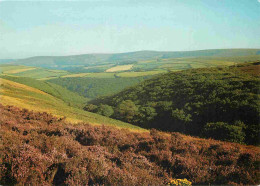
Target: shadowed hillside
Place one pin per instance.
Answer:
(37, 148)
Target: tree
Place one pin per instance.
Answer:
(91, 108)
(224, 131)
(105, 110)
(126, 110)
(145, 115)
(180, 119)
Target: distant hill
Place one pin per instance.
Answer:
(221, 103)
(66, 62)
(2, 61)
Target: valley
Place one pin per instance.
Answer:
(129, 93)
(143, 113)
(202, 102)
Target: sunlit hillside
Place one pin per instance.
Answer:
(23, 96)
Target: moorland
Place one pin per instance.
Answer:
(135, 118)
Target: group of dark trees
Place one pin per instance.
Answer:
(39, 149)
(220, 103)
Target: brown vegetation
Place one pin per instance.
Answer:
(37, 148)
(253, 70)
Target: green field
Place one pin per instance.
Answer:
(40, 73)
(32, 72)
(5, 68)
(137, 68)
(139, 74)
(92, 81)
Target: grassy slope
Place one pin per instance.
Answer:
(29, 71)
(7, 68)
(57, 91)
(94, 87)
(40, 73)
(23, 96)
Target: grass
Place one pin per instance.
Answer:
(40, 73)
(57, 91)
(98, 66)
(138, 74)
(76, 75)
(46, 78)
(23, 96)
(32, 72)
(175, 64)
(120, 68)
(5, 68)
(14, 71)
(92, 75)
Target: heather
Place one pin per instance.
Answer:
(37, 148)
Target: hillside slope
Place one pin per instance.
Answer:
(71, 98)
(205, 102)
(23, 96)
(30, 71)
(95, 87)
(39, 149)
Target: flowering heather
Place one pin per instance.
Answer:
(37, 148)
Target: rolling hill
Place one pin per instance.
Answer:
(24, 96)
(45, 139)
(70, 98)
(203, 102)
(86, 60)
(30, 71)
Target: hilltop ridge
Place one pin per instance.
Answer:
(61, 62)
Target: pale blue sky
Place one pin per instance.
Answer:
(32, 28)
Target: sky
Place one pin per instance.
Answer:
(69, 27)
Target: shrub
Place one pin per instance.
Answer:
(39, 149)
(224, 131)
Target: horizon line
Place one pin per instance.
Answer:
(110, 53)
